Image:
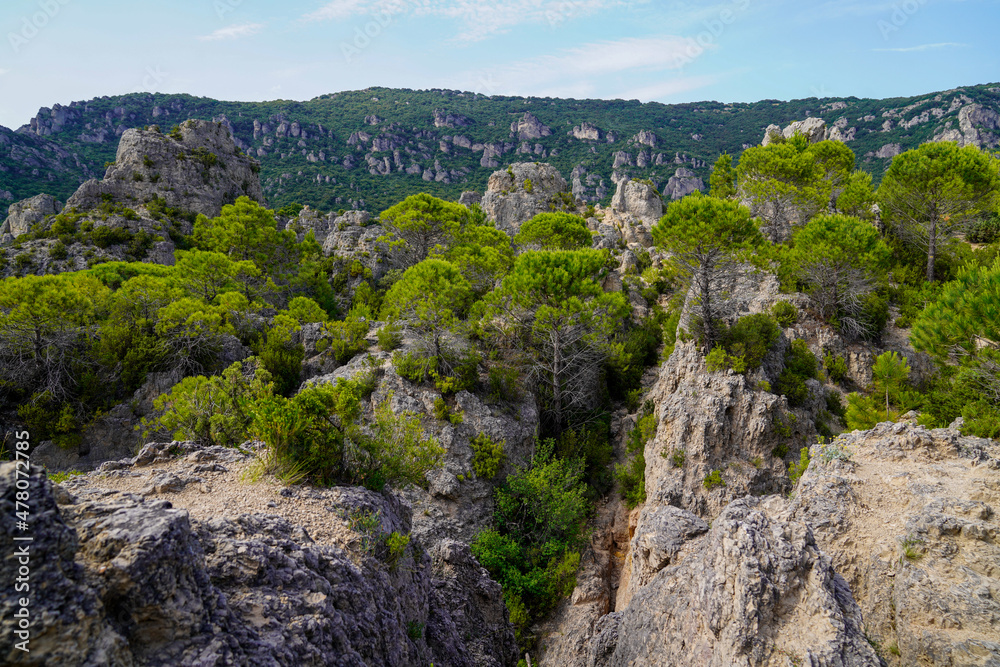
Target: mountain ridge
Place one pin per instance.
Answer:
(371, 148)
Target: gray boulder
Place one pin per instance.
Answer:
(638, 199)
(22, 215)
(200, 172)
(510, 200)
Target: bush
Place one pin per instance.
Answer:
(503, 383)
(631, 477)
(986, 231)
(212, 410)
(785, 314)
(800, 365)
(58, 250)
(396, 544)
(836, 367)
(390, 337)
(796, 469)
(863, 412)
(104, 236)
(534, 550)
(677, 458)
(347, 338)
(488, 456)
(713, 479)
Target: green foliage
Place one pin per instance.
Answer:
(554, 231)
(551, 307)
(396, 544)
(835, 366)
(280, 357)
(706, 237)
(348, 338)
(889, 372)
(713, 480)
(631, 478)
(797, 468)
(488, 456)
(60, 477)
(839, 260)
(414, 367)
(58, 250)
(212, 410)
(750, 339)
(934, 192)
(534, 550)
(677, 458)
(421, 222)
(390, 336)
(785, 313)
(800, 365)
(443, 412)
(863, 412)
(415, 630)
(632, 353)
(431, 296)
(722, 183)
(911, 548)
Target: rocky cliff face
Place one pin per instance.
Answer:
(909, 518)
(23, 215)
(520, 192)
(169, 559)
(198, 171)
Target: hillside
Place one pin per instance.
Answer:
(371, 148)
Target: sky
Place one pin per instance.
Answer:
(58, 51)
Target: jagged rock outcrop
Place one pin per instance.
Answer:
(753, 590)
(529, 127)
(908, 516)
(682, 183)
(977, 126)
(511, 200)
(586, 132)
(814, 129)
(323, 226)
(199, 173)
(457, 503)
(639, 199)
(180, 563)
(22, 215)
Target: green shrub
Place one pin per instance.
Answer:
(986, 230)
(104, 236)
(348, 338)
(396, 544)
(631, 477)
(785, 313)
(800, 365)
(503, 383)
(836, 367)
(444, 413)
(717, 360)
(488, 456)
(414, 630)
(60, 477)
(713, 479)
(213, 410)
(533, 551)
(796, 469)
(677, 458)
(414, 367)
(390, 337)
(58, 250)
(835, 405)
(751, 338)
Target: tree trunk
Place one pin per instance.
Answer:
(931, 249)
(556, 379)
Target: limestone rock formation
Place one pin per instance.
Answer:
(977, 126)
(21, 216)
(909, 518)
(586, 132)
(814, 129)
(682, 183)
(638, 199)
(200, 569)
(753, 590)
(199, 173)
(510, 200)
(529, 127)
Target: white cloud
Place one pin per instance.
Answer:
(478, 19)
(574, 72)
(341, 9)
(662, 89)
(923, 47)
(233, 32)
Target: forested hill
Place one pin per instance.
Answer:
(371, 148)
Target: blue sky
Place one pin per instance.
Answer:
(735, 50)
